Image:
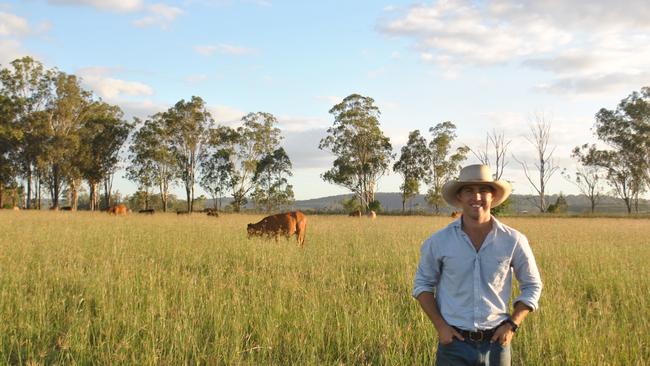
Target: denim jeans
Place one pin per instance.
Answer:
(469, 352)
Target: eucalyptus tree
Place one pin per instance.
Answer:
(10, 136)
(68, 108)
(245, 147)
(362, 151)
(626, 132)
(150, 162)
(444, 162)
(188, 124)
(216, 172)
(588, 175)
(412, 165)
(103, 134)
(28, 84)
(272, 187)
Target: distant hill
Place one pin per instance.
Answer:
(392, 201)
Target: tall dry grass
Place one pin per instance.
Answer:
(84, 288)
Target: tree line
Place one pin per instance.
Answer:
(54, 135)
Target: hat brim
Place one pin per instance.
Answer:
(502, 190)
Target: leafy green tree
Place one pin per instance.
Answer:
(10, 137)
(69, 108)
(28, 84)
(246, 146)
(587, 178)
(626, 130)
(412, 165)
(444, 162)
(103, 134)
(362, 151)
(150, 161)
(272, 188)
(216, 174)
(188, 124)
(560, 205)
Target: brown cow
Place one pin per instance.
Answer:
(118, 209)
(66, 208)
(456, 214)
(372, 214)
(147, 212)
(287, 224)
(356, 213)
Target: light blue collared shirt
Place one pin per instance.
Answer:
(473, 288)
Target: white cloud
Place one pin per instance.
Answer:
(99, 80)
(158, 15)
(110, 5)
(331, 99)
(223, 48)
(226, 115)
(196, 78)
(12, 25)
(587, 47)
(10, 50)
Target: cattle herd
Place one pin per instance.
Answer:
(283, 224)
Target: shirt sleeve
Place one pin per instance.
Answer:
(527, 273)
(428, 271)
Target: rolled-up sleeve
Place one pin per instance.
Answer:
(428, 271)
(527, 273)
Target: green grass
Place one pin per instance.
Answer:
(84, 288)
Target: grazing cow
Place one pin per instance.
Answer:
(356, 213)
(456, 214)
(182, 213)
(16, 208)
(66, 208)
(147, 212)
(287, 224)
(120, 209)
(372, 214)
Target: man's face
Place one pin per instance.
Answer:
(476, 200)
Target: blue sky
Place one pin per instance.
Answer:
(483, 65)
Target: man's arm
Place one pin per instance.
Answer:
(446, 333)
(505, 333)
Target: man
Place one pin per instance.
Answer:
(463, 281)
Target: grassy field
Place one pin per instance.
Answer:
(84, 288)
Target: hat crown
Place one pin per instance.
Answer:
(475, 173)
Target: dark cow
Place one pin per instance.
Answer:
(287, 224)
(66, 208)
(147, 212)
(356, 213)
(182, 213)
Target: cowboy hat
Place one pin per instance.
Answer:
(476, 174)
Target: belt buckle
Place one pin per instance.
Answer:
(479, 335)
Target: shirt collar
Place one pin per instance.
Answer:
(496, 224)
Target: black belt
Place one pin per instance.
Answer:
(478, 336)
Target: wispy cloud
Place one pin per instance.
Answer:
(159, 15)
(223, 48)
(100, 80)
(110, 5)
(555, 37)
(12, 25)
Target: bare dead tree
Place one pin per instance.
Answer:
(540, 133)
(496, 142)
